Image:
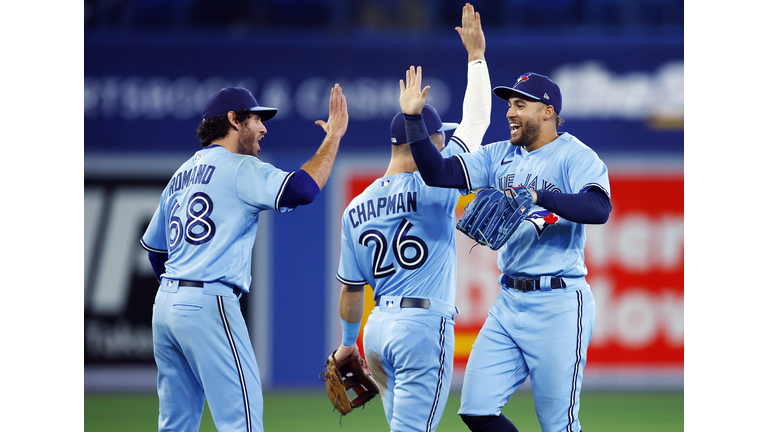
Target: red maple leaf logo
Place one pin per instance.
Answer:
(551, 218)
(522, 78)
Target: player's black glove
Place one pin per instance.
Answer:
(492, 217)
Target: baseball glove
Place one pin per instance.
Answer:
(347, 374)
(492, 217)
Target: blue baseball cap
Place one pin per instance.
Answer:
(431, 120)
(235, 99)
(534, 86)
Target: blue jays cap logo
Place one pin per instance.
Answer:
(523, 78)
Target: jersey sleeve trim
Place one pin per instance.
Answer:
(282, 190)
(590, 185)
(148, 248)
(467, 180)
(460, 142)
(350, 282)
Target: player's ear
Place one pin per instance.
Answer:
(233, 119)
(548, 112)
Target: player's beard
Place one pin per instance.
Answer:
(530, 130)
(247, 143)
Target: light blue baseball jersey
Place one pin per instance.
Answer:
(542, 334)
(206, 222)
(398, 237)
(209, 213)
(544, 244)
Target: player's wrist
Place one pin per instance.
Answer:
(474, 56)
(349, 332)
(334, 136)
(415, 129)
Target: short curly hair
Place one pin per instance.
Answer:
(217, 127)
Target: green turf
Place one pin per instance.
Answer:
(291, 411)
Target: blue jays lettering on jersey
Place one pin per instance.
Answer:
(203, 246)
(545, 244)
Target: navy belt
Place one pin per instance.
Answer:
(411, 302)
(197, 284)
(523, 284)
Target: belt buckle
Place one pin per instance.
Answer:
(523, 284)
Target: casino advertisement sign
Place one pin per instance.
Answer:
(634, 261)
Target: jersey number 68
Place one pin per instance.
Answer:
(199, 229)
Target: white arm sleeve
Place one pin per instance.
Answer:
(476, 114)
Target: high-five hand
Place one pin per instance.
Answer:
(471, 32)
(338, 117)
(412, 97)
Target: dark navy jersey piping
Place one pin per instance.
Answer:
(461, 143)
(439, 376)
(239, 367)
(282, 190)
(574, 383)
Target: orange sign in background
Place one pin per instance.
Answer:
(635, 265)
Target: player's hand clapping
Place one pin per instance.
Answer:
(412, 97)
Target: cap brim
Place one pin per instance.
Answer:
(507, 92)
(265, 113)
(448, 126)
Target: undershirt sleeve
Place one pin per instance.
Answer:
(158, 259)
(434, 169)
(592, 206)
(301, 189)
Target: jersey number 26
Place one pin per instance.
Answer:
(400, 244)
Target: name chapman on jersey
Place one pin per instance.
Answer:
(393, 204)
(199, 174)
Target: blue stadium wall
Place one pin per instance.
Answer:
(623, 96)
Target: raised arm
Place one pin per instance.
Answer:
(319, 167)
(434, 169)
(304, 185)
(476, 110)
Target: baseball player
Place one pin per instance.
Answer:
(542, 320)
(200, 241)
(398, 237)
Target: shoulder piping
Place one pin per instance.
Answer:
(460, 142)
